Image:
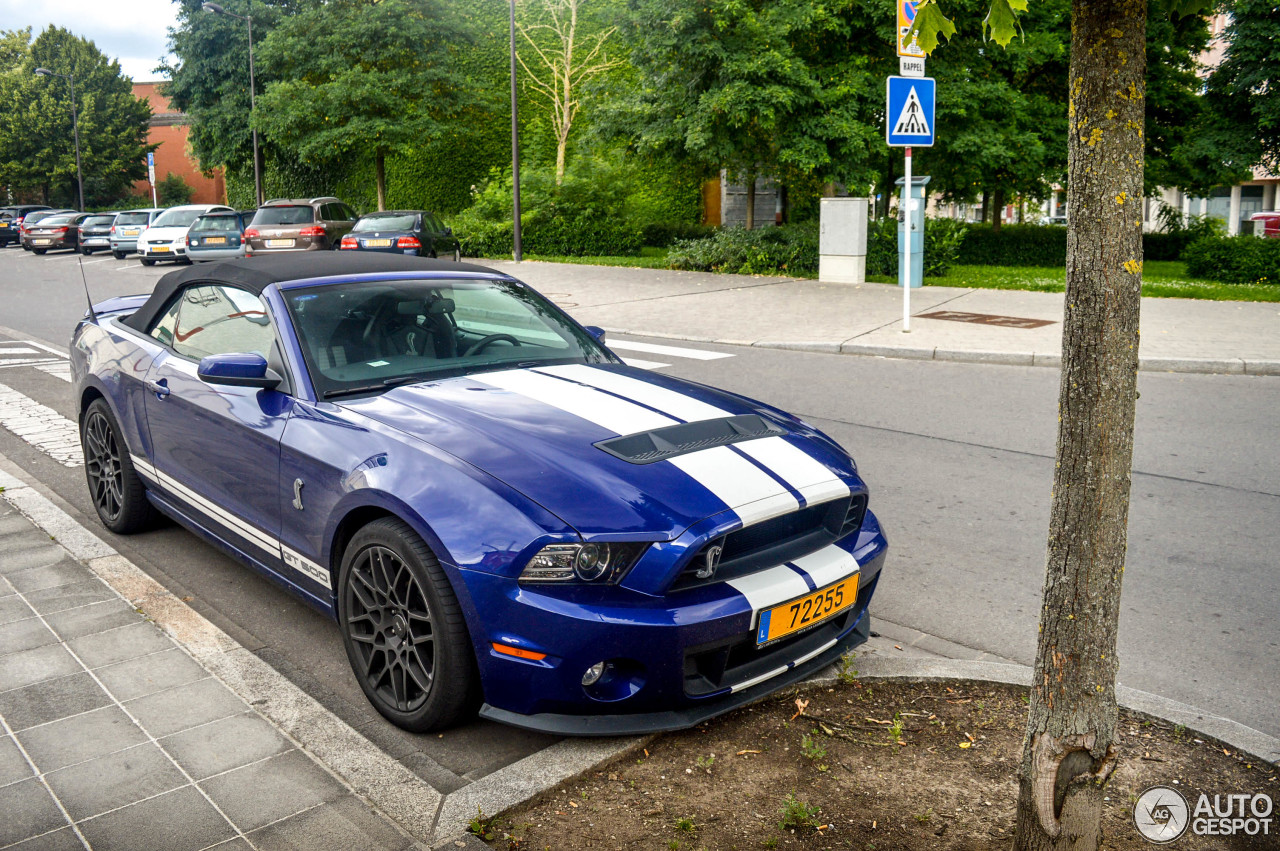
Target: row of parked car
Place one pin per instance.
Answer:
(201, 232)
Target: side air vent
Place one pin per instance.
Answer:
(646, 447)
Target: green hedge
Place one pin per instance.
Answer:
(1234, 259)
(581, 237)
(786, 250)
(663, 234)
(1014, 245)
(943, 243)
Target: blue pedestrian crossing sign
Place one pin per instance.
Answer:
(908, 112)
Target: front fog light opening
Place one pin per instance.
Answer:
(594, 673)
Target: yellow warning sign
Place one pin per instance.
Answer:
(907, 17)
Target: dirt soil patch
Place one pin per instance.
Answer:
(868, 766)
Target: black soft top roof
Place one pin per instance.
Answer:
(258, 273)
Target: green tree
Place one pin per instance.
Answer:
(779, 87)
(15, 46)
(1245, 88)
(174, 191)
(37, 153)
(1068, 753)
(209, 79)
(358, 78)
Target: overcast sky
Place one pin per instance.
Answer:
(136, 32)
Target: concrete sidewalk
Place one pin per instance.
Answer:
(1178, 335)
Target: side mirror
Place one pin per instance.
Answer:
(238, 370)
(596, 332)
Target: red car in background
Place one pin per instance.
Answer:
(1266, 224)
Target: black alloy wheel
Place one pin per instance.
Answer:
(118, 494)
(403, 629)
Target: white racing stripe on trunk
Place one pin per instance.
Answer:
(668, 401)
(617, 415)
(827, 565)
(769, 588)
(789, 461)
(752, 493)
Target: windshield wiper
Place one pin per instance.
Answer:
(374, 388)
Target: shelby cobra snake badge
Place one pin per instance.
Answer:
(297, 494)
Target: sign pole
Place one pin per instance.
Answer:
(904, 268)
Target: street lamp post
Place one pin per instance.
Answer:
(75, 125)
(257, 171)
(515, 146)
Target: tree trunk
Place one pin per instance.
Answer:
(997, 208)
(751, 199)
(380, 168)
(1068, 755)
(982, 211)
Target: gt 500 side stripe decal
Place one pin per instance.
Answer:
(256, 536)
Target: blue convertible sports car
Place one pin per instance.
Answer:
(497, 511)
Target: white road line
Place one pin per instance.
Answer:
(644, 364)
(6, 363)
(7, 349)
(57, 370)
(667, 351)
(41, 426)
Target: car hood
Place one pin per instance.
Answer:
(154, 234)
(536, 429)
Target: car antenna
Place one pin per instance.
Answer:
(93, 316)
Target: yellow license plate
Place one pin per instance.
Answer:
(216, 240)
(133, 232)
(160, 249)
(377, 243)
(803, 612)
(42, 241)
(279, 243)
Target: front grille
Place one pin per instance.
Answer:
(777, 541)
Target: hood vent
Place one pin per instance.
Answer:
(646, 447)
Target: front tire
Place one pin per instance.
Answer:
(147, 261)
(403, 629)
(117, 493)
(457, 255)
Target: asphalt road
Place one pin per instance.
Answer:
(959, 458)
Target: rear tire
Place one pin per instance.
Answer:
(403, 629)
(457, 255)
(117, 493)
(119, 255)
(87, 252)
(39, 250)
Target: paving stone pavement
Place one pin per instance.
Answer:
(113, 737)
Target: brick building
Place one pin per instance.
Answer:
(169, 129)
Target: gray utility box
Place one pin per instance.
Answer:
(842, 243)
(911, 233)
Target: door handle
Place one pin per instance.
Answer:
(160, 388)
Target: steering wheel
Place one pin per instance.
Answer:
(479, 345)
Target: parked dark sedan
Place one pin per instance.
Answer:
(30, 220)
(404, 232)
(11, 220)
(95, 232)
(54, 233)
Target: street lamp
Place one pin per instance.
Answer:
(515, 145)
(257, 173)
(75, 124)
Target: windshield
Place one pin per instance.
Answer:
(217, 224)
(97, 221)
(368, 224)
(364, 337)
(283, 215)
(132, 218)
(177, 218)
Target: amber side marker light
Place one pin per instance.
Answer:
(508, 650)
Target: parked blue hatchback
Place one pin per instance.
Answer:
(497, 511)
(218, 235)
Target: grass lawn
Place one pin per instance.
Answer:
(1160, 279)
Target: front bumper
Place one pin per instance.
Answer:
(674, 660)
(169, 252)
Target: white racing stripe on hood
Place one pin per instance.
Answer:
(752, 493)
(802, 472)
(617, 415)
(827, 565)
(651, 395)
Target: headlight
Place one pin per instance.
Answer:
(596, 563)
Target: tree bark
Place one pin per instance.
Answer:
(751, 199)
(1068, 754)
(380, 169)
(997, 208)
(982, 212)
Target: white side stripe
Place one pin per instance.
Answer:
(668, 401)
(827, 565)
(769, 588)
(256, 536)
(617, 415)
